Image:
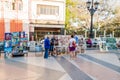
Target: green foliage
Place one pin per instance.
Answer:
(73, 13)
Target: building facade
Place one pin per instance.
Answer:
(13, 16)
(47, 17)
(36, 17)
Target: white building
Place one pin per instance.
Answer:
(13, 16)
(32, 16)
(47, 17)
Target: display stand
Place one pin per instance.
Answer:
(24, 42)
(111, 43)
(62, 43)
(7, 44)
(107, 44)
(15, 44)
(34, 47)
(1, 47)
(19, 43)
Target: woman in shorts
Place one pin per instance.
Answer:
(72, 46)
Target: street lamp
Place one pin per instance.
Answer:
(92, 7)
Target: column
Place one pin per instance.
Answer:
(85, 33)
(95, 33)
(7, 25)
(113, 33)
(62, 31)
(104, 33)
(26, 26)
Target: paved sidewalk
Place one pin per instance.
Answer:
(91, 65)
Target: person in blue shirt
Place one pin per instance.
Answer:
(76, 38)
(47, 47)
(77, 41)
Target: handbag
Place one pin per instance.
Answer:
(74, 44)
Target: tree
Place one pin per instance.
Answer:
(76, 15)
(114, 23)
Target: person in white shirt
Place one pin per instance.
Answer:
(72, 46)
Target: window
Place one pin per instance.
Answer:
(0, 5)
(7, 5)
(47, 10)
(13, 6)
(17, 5)
(20, 5)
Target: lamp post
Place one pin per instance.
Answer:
(92, 7)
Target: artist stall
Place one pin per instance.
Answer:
(15, 43)
(7, 44)
(61, 43)
(107, 44)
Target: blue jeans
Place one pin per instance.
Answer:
(46, 53)
(51, 48)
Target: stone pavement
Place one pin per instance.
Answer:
(92, 65)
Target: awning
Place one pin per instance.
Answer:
(47, 26)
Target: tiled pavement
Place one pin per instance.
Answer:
(92, 65)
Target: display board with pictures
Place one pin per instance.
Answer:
(107, 43)
(8, 36)
(22, 35)
(62, 42)
(8, 43)
(1, 46)
(111, 43)
(15, 39)
(23, 38)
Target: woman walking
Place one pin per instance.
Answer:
(72, 46)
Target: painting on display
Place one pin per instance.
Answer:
(111, 43)
(15, 35)
(22, 34)
(64, 40)
(7, 46)
(7, 42)
(23, 38)
(15, 38)
(8, 36)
